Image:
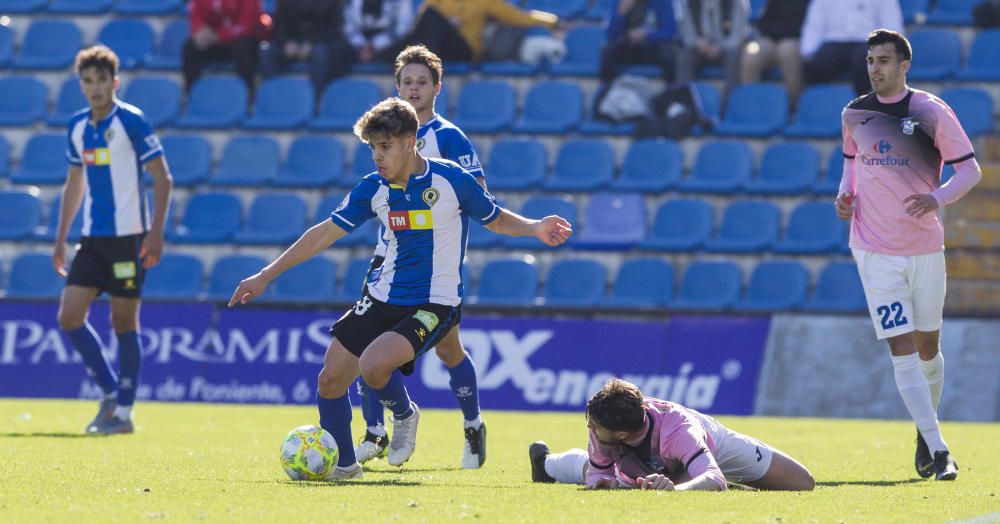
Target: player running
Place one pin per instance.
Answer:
(648, 443)
(895, 139)
(418, 81)
(415, 297)
(110, 143)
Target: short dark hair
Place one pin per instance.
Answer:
(888, 36)
(99, 56)
(391, 117)
(617, 406)
(419, 54)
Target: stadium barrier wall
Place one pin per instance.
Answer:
(820, 366)
(206, 352)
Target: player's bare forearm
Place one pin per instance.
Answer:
(703, 482)
(314, 240)
(511, 224)
(163, 185)
(72, 197)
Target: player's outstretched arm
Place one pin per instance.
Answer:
(552, 230)
(314, 240)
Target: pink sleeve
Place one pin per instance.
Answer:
(602, 466)
(967, 175)
(705, 463)
(956, 149)
(849, 151)
(688, 443)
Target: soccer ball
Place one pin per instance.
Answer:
(309, 453)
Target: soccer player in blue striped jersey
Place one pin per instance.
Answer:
(109, 145)
(418, 74)
(415, 297)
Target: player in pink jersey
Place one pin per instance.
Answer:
(895, 142)
(647, 443)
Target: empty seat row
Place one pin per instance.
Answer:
(91, 7)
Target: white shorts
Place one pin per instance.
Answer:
(741, 458)
(905, 293)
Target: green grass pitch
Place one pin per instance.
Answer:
(219, 463)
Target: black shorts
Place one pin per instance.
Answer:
(109, 264)
(422, 325)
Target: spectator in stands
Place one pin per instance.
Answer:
(986, 15)
(310, 31)
(453, 29)
(712, 32)
(834, 36)
(635, 37)
(373, 27)
(777, 44)
(224, 31)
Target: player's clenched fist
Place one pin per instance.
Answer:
(553, 230)
(657, 482)
(845, 205)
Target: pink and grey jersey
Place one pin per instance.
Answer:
(676, 439)
(894, 150)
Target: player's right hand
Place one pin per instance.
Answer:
(601, 483)
(656, 482)
(59, 258)
(249, 289)
(845, 205)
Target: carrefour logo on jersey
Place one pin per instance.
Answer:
(415, 219)
(882, 147)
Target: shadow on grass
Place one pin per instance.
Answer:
(875, 483)
(55, 434)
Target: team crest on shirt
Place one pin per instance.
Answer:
(108, 135)
(908, 124)
(430, 196)
(420, 144)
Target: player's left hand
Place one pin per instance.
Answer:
(151, 250)
(553, 230)
(920, 204)
(657, 482)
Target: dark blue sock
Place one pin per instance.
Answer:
(85, 340)
(394, 396)
(463, 383)
(335, 417)
(129, 362)
(371, 408)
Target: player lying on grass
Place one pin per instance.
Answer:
(415, 298)
(648, 443)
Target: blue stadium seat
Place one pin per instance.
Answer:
(313, 280)
(813, 228)
(485, 106)
(31, 276)
(757, 8)
(940, 52)
(159, 98)
(167, 56)
(776, 286)
(70, 101)
(952, 12)
(747, 226)
(361, 164)
(353, 280)
(613, 221)
(507, 282)
(787, 168)
(344, 100)
(189, 157)
(248, 160)
(551, 107)
(575, 283)
(48, 233)
(709, 286)
(313, 161)
(720, 167)
(583, 52)
(830, 184)
(586, 164)
(711, 103)
(973, 107)
(818, 113)
(79, 7)
(517, 164)
(838, 289)
(43, 160)
(20, 214)
(599, 10)
(598, 126)
(482, 238)
(538, 207)
(282, 103)
(209, 218)
(227, 273)
(22, 6)
(326, 206)
(984, 57)
(177, 277)
(564, 9)
(914, 10)
(6, 44)
(651, 166)
(275, 218)
(4, 157)
(48, 44)
(147, 7)
(680, 225)
(754, 110)
(642, 283)
(130, 38)
(215, 102)
(24, 100)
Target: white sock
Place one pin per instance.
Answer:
(916, 396)
(934, 373)
(567, 467)
(377, 430)
(474, 423)
(123, 412)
